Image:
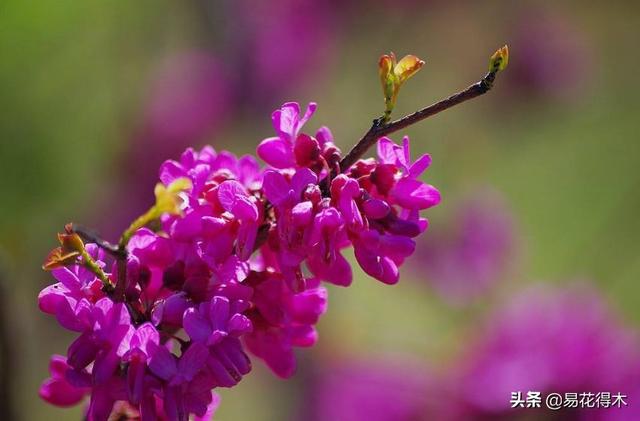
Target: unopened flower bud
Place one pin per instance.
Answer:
(499, 59)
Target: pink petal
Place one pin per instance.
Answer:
(276, 152)
(387, 151)
(311, 109)
(275, 186)
(275, 349)
(302, 214)
(211, 408)
(248, 169)
(239, 324)
(67, 278)
(247, 235)
(379, 267)
(301, 179)
(304, 336)
(169, 171)
(404, 157)
(220, 373)
(104, 366)
(196, 326)
(145, 334)
(212, 226)
(219, 313)
(376, 208)
(285, 120)
(52, 297)
(324, 135)
(232, 349)
(308, 306)
(68, 313)
(233, 197)
(397, 247)
(414, 194)
(420, 165)
(337, 272)
(162, 363)
(82, 351)
(59, 392)
(192, 360)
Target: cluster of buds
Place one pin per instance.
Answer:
(234, 265)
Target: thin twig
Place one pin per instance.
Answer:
(91, 236)
(117, 293)
(380, 129)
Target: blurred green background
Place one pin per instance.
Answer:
(560, 144)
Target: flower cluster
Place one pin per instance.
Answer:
(235, 263)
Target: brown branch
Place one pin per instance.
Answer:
(91, 236)
(380, 128)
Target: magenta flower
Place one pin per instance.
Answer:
(184, 390)
(293, 149)
(211, 323)
(234, 199)
(236, 261)
(137, 355)
(57, 390)
(282, 320)
(408, 191)
(279, 151)
(380, 255)
(294, 205)
(218, 325)
(386, 196)
(326, 260)
(106, 332)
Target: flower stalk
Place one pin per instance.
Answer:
(167, 202)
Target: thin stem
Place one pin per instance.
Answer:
(91, 236)
(380, 128)
(140, 222)
(117, 292)
(91, 264)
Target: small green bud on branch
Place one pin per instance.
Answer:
(382, 127)
(393, 75)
